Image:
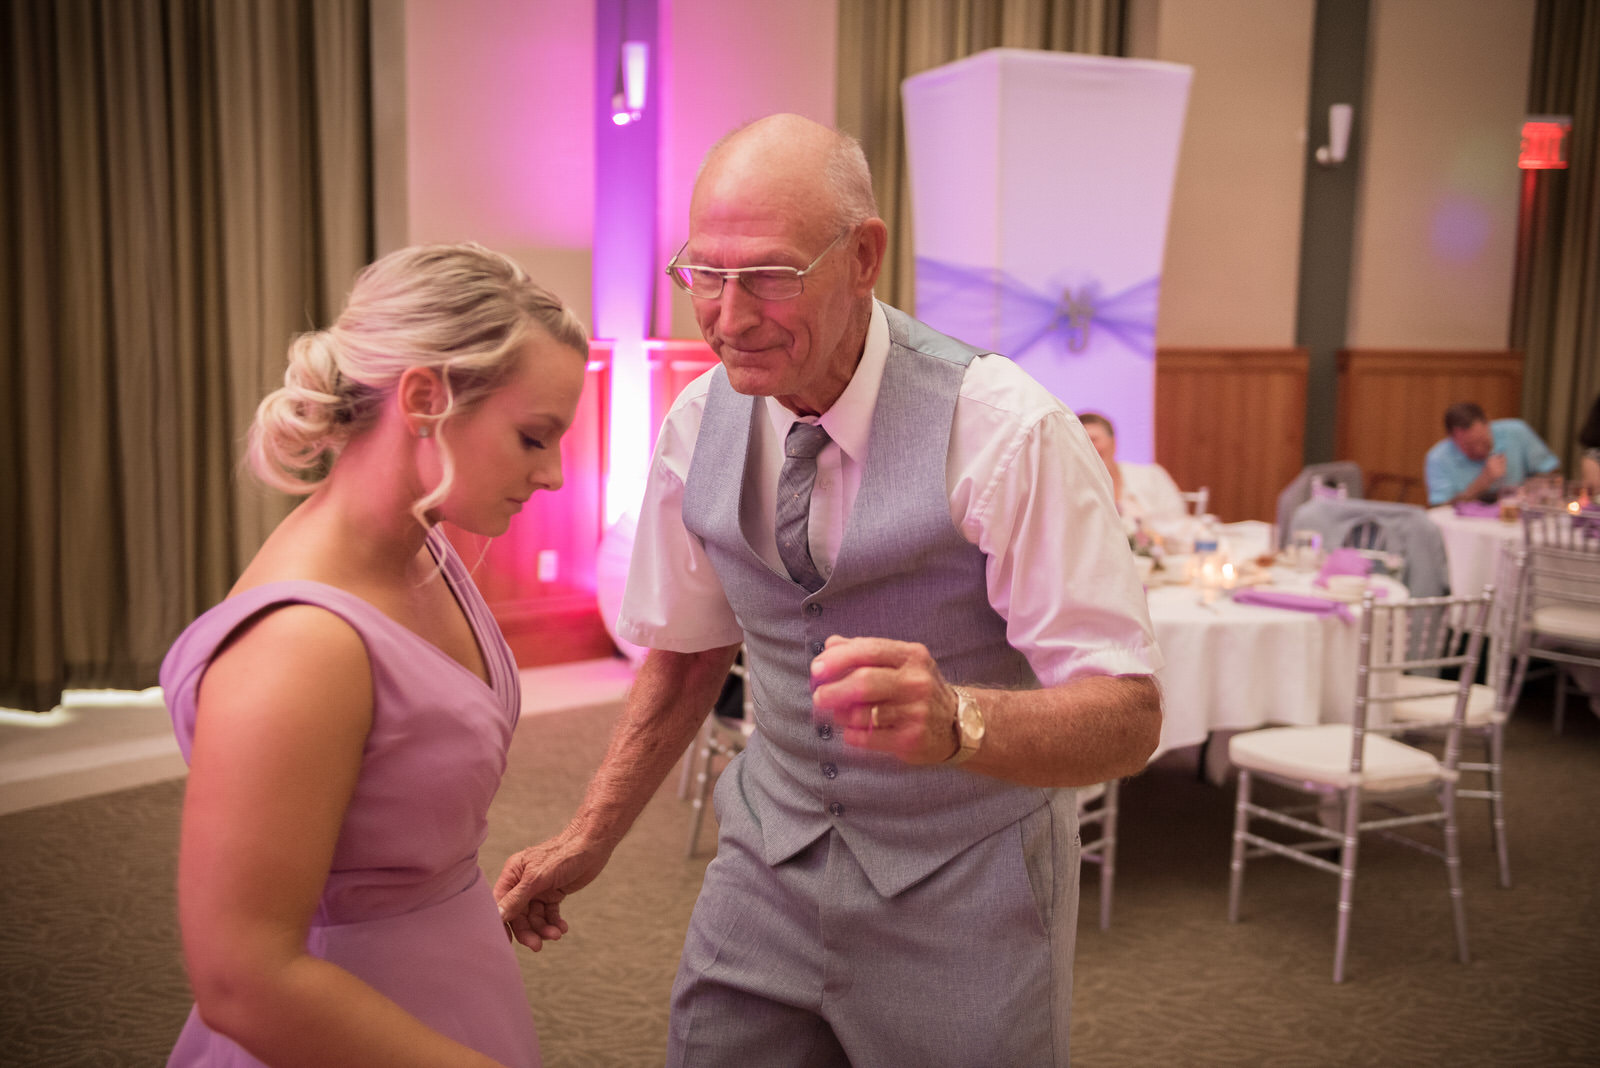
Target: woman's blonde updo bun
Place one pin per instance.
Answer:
(460, 309)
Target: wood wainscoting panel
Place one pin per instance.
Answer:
(1392, 402)
(1234, 421)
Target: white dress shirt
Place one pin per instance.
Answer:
(1149, 494)
(1026, 487)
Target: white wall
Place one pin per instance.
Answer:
(1435, 243)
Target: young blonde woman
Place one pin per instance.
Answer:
(346, 710)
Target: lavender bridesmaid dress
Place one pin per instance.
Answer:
(405, 908)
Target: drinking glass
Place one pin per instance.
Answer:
(1305, 550)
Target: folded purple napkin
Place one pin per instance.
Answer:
(1343, 562)
(1295, 602)
(1478, 509)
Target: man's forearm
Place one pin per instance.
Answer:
(669, 699)
(1076, 734)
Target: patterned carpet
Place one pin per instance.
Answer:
(90, 973)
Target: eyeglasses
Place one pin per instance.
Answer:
(763, 283)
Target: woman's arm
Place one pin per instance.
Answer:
(283, 717)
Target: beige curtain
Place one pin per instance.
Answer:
(1556, 305)
(884, 42)
(183, 186)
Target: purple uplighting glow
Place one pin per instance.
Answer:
(627, 168)
(1459, 228)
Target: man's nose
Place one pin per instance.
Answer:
(737, 309)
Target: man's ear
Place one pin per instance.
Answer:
(421, 396)
(870, 246)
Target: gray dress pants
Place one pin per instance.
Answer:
(805, 964)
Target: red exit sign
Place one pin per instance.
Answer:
(1544, 142)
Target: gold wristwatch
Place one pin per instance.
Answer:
(967, 727)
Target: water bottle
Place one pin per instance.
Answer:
(1207, 540)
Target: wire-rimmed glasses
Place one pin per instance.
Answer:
(763, 283)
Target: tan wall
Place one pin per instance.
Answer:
(500, 142)
(1233, 245)
(731, 63)
(500, 148)
(499, 127)
(1436, 235)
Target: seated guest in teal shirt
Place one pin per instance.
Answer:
(1479, 458)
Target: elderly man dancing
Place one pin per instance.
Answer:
(917, 548)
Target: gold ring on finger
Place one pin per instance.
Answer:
(875, 723)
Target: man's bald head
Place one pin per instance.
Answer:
(794, 163)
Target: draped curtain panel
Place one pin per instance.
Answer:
(185, 185)
(883, 42)
(1556, 304)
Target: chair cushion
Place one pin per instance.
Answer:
(1088, 795)
(1321, 754)
(1439, 709)
(1568, 621)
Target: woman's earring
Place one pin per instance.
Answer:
(424, 431)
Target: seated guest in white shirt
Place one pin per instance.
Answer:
(1144, 492)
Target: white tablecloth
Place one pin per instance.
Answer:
(1472, 547)
(1233, 666)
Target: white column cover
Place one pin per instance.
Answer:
(1041, 183)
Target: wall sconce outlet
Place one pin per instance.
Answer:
(1333, 153)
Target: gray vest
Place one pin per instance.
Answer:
(905, 572)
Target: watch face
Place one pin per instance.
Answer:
(971, 717)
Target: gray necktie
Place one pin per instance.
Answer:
(795, 481)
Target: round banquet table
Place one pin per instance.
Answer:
(1472, 546)
(1238, 666)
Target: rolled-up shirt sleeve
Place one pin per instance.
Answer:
(1033, 495)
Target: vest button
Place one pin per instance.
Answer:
(824, 730)
(829, 771)
(836, 809)
(813, 609)
(816, 648)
